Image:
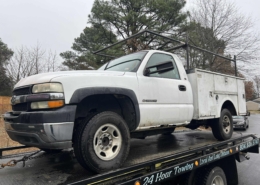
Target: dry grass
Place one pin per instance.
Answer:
(5, 140)
(254, 111)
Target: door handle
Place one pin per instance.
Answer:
(182, 87)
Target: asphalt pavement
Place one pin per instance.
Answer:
(249, 171)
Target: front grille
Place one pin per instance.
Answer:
(18, 92)
(22, 91)
(20, 107)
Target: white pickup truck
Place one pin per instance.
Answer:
(97, 111)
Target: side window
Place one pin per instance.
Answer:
(158, 58)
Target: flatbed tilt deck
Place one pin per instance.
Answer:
(185, 157)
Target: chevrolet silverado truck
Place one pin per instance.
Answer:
(97, 111)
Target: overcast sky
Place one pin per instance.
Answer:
(55, 23)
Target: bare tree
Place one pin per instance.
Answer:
(20, 65)
(225, 23)
(37, 58)
(30, 61)
(257, 83)
(51, 62)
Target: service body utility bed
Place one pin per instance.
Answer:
(211, 90)
(151, 161)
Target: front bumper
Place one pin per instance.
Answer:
(42, 129)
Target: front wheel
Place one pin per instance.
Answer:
(104, 142)
(222, 127)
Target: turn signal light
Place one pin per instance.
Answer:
(55, 104)
(47, 104)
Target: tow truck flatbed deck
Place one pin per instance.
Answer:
(160, 151)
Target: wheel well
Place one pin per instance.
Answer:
(94, 104)
(229, 105)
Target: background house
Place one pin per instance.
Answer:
(253, 105)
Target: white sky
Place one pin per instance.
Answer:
(55, 23)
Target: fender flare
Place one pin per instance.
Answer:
(82, 93)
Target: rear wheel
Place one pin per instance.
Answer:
(214, 176)
(222, 127)
(104, 142)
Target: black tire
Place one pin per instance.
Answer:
(171, 130)
(188, 178)
(193, 127)
(77, 142)
(222, 128)
(213, 175)
(94, 140)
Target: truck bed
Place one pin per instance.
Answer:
(63, 168)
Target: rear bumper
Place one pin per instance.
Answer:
(239, 126)
(41, 132)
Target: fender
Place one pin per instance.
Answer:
(222, 103)
(82, 93)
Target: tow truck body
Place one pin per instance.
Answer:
(158, 159)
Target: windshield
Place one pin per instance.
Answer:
(238, 117)
(128, 63)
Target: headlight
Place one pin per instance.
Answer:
(47, 87)
(47, 104)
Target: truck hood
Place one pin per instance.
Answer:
(47, 77)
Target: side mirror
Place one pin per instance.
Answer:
(147, 72)
(159, 68)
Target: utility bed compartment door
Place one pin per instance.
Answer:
(224, 84)
(241, 97)
(203, 99)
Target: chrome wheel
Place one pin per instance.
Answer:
(217, 181)
(107, 142)
(226, 124)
